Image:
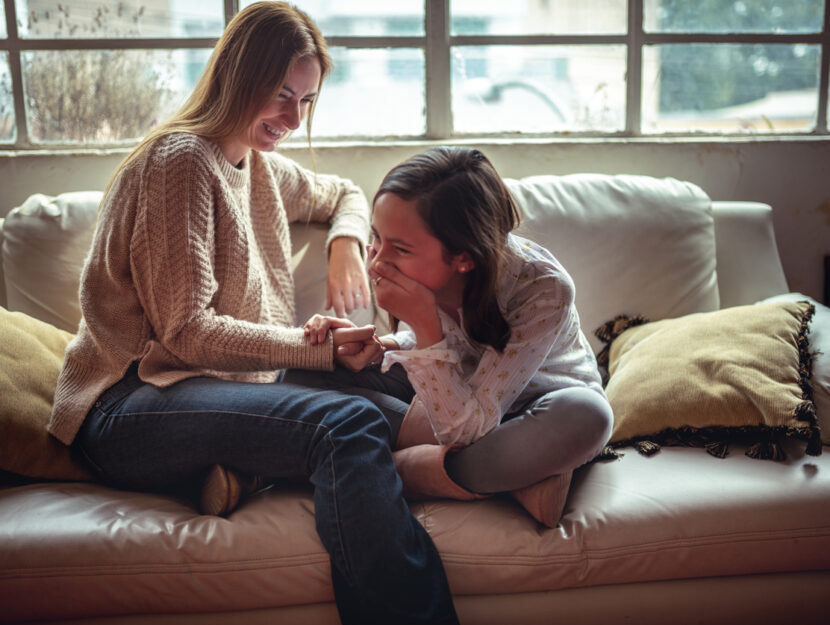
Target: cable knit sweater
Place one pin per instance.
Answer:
(190, 272)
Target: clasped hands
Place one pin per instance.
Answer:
(355, 348)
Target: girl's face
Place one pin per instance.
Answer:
(281, 114)
(401, 238)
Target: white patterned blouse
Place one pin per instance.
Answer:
(463, 388)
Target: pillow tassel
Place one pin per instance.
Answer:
(718, 449)
(608, 453)
(767, 449)
(647, 448)
(814, 443)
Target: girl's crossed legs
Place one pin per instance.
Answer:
(555, 433)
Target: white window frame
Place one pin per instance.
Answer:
(437, 44)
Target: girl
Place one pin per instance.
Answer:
(493, 387)
(188, 314)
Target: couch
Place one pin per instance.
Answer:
(680, 535)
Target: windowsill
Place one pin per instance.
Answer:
(382, 143)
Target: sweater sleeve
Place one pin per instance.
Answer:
(172, 255)
(326, 198)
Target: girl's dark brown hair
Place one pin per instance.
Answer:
(466, 205)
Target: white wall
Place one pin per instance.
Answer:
(793, 175)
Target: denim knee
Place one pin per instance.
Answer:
(357, 415)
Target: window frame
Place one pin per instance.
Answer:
(437, 43)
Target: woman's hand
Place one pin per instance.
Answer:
(409, 301)
(318, 327)
(357, 348)
(346, 282)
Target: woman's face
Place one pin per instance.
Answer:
(283, 113)
(401, 238)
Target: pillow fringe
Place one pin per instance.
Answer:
(609, 331)
(763, 442)
(806, 410)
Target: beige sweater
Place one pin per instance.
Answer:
(190, 272)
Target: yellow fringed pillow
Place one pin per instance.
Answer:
(31, 355)
(708, 379)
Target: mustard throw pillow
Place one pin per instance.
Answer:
(708, 379)
(31, 355)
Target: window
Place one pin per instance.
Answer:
(102, 72)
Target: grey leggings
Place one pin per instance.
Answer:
(554, 433)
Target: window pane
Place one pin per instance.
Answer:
(96, 19)
(105, 96)
(371, 92)
(730, 87)
(363, 18)
(8, 131)
(538, 88)
(538, 17)
(734, 16)
(3, 33)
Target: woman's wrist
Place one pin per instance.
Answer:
(344, 244)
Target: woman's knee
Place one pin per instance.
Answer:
(355, 415)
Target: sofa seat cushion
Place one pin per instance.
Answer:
(75, 549)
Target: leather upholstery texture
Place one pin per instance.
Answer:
(71, 550)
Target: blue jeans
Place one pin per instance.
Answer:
(385, 567)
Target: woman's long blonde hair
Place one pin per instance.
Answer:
(247, 68)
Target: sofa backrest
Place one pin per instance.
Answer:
(46, 239)
(633, 244)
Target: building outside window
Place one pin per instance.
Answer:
(95, 72)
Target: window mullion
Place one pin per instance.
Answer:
(634, 69)
(437, 57)
(824, 79)
(231, 7)
(16, 75)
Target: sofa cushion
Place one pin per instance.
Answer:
(819, 337)
(45, 242)
(633, 244)
(71, 550)
(31, 354)
(708, 378)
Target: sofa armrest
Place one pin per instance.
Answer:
(749, 268)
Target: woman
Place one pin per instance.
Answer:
(188, 315)
(495, 366)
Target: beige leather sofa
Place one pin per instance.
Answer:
(677, 537)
